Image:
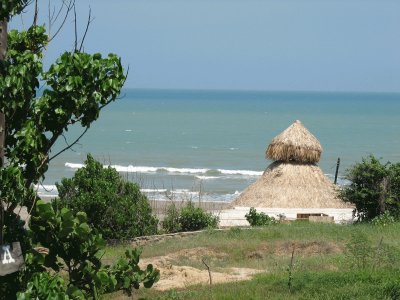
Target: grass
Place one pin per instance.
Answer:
(331, 261)
(322, 285)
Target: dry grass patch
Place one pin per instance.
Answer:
(307, 248)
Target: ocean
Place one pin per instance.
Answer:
(210, 145)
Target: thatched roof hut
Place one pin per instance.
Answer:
(294, 180)
(295, 143)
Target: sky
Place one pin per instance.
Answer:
(280, 45)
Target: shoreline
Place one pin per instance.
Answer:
(159, 207)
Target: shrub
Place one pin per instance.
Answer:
(113, 206)
(374, 188)
(188, 218)
(195, 218)
(171, 221)
(384, 219)
(74, 253)
(259, 219)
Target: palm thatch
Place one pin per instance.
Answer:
(295, 143)
(291, 185)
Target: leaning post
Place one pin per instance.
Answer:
(337, 170)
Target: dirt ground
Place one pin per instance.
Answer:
(175, 277)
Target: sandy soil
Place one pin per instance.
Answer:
(175, 277)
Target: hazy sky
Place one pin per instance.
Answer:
(337, 45)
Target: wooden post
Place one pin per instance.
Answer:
(337, 170)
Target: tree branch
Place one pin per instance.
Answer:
(71, 145)
(76, 31)
(208, 269)
(69, 6)
(35, 17)
(86, 29)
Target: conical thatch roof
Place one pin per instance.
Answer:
(291, 185)
(295, 143)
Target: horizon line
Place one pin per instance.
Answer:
(260, 90)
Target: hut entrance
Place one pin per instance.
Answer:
(321, 218)
(307, 216)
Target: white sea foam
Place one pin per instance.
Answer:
(46, 190)
(153, 190)
(74, 166)
(240, 172)
(184, 191)
(185, 171)
(50, 191)
(134, 169)
(207, 177)
(128, 130)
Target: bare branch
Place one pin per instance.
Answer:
(35, 17)
(208, 269)
(76, 31)
(86, 29)
(71, 145)
(69, 7)
(66, 142)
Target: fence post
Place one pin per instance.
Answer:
(337, 170)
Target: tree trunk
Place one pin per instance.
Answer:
(3, 39)
(3, 51)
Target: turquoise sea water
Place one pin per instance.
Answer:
(180, 142)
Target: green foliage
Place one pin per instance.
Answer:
(114, 206)
(188, 218)
(171, 220)
(384, 219)
(362, 255)
(259, 219)
(76, 249)
(45, 286)
(9, 8)
(78, 85)
(195, 218)
(75, 89)
(374, 188)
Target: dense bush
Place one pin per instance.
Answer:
(384, 219)
(188, 218)
(171, 220)
(74, 253)
(259, 219)
(195, 218)
(113, 205)
(374, 188)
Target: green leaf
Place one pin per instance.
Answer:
(81, 216)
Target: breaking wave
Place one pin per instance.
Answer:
(207, 173)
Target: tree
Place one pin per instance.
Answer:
(374, 188)
(114, 206)
(74, 90)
